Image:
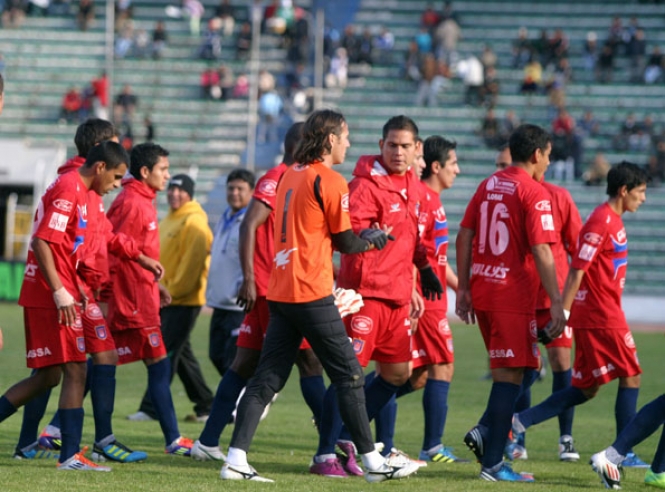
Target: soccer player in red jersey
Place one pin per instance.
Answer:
(53, 301)
(503, 247)
(604, 347)
(135, 295)
(257, 251)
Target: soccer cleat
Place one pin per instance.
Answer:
(514, 451)
(180, 447)
(116, 451)
(331, 468)
(139, 417)
(609, 473)
(633, 461)
(201, 452)
(34, 452)
(50, 440)
(655, 479)
(387, 472)
(505, 474)
(400, 458)
(475, 442)
(441, 455)
(567, 451)
(80, 463)
(245, 472)
(349, 458)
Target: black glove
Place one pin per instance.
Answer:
(430, 284)
(376, 237)
(544, 334)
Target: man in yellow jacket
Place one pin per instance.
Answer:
(185, 241)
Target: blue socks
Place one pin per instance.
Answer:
(313, 388)
(228, 390)
(377, 394)
(384, 424)
(159, 381)
(71, 428)
(435, 407)
(33, 413)
(625, 407)
(103, 397)
(561, 380)
(331, 423)
(55, 421)
(500, 408)
(646, 422)
(552, 406)
(6, 408)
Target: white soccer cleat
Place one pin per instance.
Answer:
(78, 462)
(201, 452)
(609, 473)
(139, 417)
(245, 472)
(387, 472)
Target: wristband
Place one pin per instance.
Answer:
(62, 298)
(566, 313)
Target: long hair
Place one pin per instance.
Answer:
(314, 142)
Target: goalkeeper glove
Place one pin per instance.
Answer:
(430, 284)
(376, 237)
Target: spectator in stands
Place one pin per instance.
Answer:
(615, 35)
(13, 13)
(654, 70)
(100, 96)
(211, 47)
(149, 129)
(590, 51)
(210, 84)
(489, 92)
(366, 51)
(241, 87)
(430, 18)
(384, 44)
(605, 65)
(556, 85)
(2, 104)
(656, 165)
(38, 7)
(596, 174)
(2, 65)
(124, 42)
(244, 41)
(558, 47)
(471, 72)
(424, 41)
(412, 62)
(490, 130)
(226, 14)
(488, 58)
(351, 43)
(71, 106)
(533, 76)
(266, 82)
(509, 123)
(159, 40)
(432, 80)
(141, 45)
(588, 126)
(226, 82)
(339, 68)
(446, 37)
(449, 12)
(125, 105)
(637, 50)
(566, 145)
(270, 110)
(642, 137)
(541, 48)
(193, 10)
(521, 49)
(86, 14)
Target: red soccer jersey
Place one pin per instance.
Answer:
(60, 220)
(433, 227)
(509, 213)
(603, 255)
(264, 251)
(567, 225)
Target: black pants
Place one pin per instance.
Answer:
(224, 326)
(177, 325)
(320, 323)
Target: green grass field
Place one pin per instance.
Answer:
(286, 440)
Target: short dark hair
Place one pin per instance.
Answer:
(400, 122)
(314, 142)
(145, 155)
(436, 148)
(293, 136)
(112, 153)
(90, 133)
(243, 175)
(525, 140)
(625, 174)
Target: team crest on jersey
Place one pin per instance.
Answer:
(629, 341)
(93, 311)
(587, 252)
(58, 222)
(62, 204)
(358, 345)
(153, 338)
(362, 325)
(547, 221)
(544, 206)
(268, 187)
(395, 207)
(535, 350)
(77, 326)
(593, 238)
(101, 333)
(80, 344)
(533, 329)
(345, 202)
(443, 327)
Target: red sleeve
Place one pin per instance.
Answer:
(53, 217)
(420, 255)
(571, 224)
(591, 238)
(539, 219)
(362, 205)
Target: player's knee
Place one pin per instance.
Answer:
(355, 379)
(49, 377)
(590, 392)
(245, 362)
